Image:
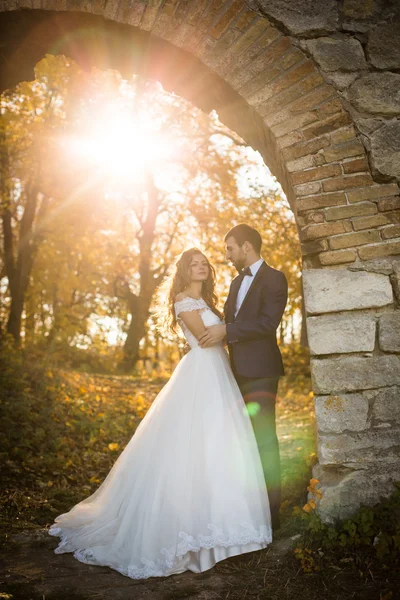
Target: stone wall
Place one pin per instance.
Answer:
(354, 336)
(314, 86)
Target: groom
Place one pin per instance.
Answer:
(253, 311)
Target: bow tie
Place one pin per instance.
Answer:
(246, 271)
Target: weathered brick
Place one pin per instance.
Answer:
(290, 139)
(306, 189)
(313, 232)
(326, 126)
(391, 232)
(354, 239)
(286, 80)
(372, 192)
(355, 166)
(291, 58)
(346, 150)
(245, 19)
(294, 123)
(338, 257)
(258, 83)
(378, 220)
(304, 148)
(316, 174)
(343, 135)
(314, 247)
(389, 203)
(331, 107)
(247, 52)
(226, 19)
(313, 216)
(313, 98)
(341, 183)
(350, 210)
(258, 28)
(384, 249)
(305, 162)
(256, 64)
(289, 95)
(320, 201)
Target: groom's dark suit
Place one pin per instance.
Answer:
(257, 363)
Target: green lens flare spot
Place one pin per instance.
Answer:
(253, 408)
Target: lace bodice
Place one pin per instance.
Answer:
(188, 304)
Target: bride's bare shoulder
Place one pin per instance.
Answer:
(180, 296)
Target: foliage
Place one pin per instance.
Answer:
(62, 431)
(367, 543)
(79, 237)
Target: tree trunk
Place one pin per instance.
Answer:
(19, 280)
(139, 305)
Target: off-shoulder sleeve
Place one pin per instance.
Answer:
(187, 304)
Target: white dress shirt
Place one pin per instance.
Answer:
(246, 283)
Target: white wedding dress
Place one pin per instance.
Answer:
(188, 490)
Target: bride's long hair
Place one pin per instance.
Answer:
(179, 281)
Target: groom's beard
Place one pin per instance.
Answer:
(239, 265)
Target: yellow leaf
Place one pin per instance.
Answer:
(113, 446)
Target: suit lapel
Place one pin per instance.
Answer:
(231, 302)
(253, 286)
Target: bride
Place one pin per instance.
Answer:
(188, 490)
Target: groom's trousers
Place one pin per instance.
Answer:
(259, 396)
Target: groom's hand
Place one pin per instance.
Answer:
(212, 336)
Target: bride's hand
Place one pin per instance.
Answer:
(212, 336)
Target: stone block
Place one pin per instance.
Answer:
(347, 412)
(385, 147)
(377, 250)
(372, 192)
(303, 17)
(389, 332)
(354, 373)
(334, 290)
(306, 189)
(351, 210)
(350, 240)
(376, 93)
(385, 405)
(337, 257)
(333, 54)
(343, 493)
(360, 449)
(332, 334)
(384, 46)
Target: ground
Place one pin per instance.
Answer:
(31, 570)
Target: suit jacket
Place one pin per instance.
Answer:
(251, 335)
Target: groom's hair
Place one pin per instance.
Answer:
(244, 233)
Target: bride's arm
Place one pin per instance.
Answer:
(193, 322)
(186, 310)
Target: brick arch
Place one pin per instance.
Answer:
(271, 85)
